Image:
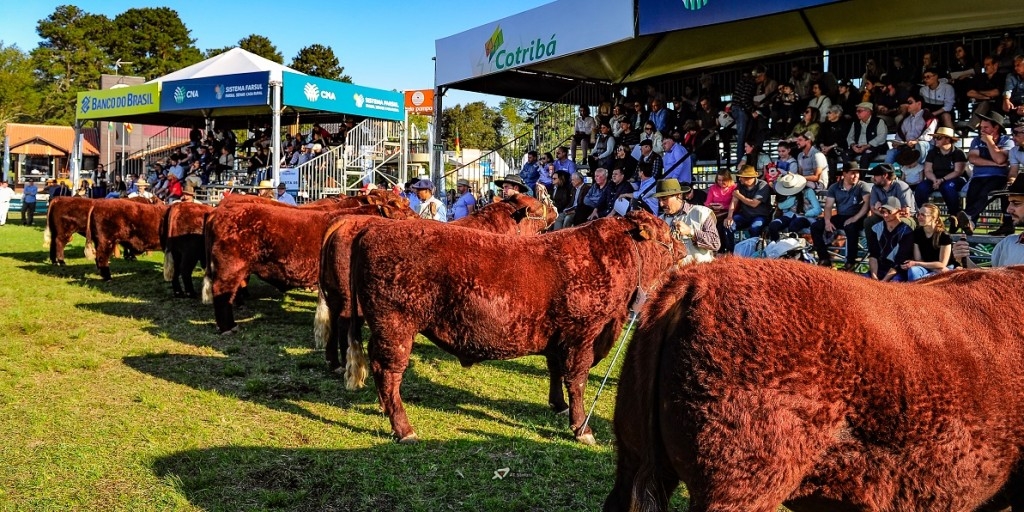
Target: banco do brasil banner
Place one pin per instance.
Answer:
(330, 96)
(241, 90)
(657, 16)
(135, 99)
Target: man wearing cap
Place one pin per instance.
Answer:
(1009, 251)
(890, 243)
(866, 139)
(649, 159)
(886, 185)
(430, 206)
(511, 185)
(142, 190)
(466, 203)
(410, 194)
(750, 208)
(990, 156)
(850, 198)
(694, 225)
(914, 130)
(283, 196)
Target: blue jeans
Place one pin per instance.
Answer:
(922, 146)
(788, 224)
(742, 119)
(950, 191)
(755, 223)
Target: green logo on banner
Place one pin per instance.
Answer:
(694, 5)
(179, 95)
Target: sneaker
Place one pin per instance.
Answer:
(965, 223)
(1004, 230)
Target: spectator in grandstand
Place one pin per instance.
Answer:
(677, 161)
(887, 104)
(801, 81)
(819, 100)
(866, 138)
(692, 224)
(784, 110)
(743, 105)
(719, 199)
(831, 140)
(886, 185)
(466, 202)
(890, 243)
(753, 156)
(915, 131)
(785, 164)
(320, 135)
(562, 161)
(604, 148)
(812, 163)
(652, 134)
(584, 128)
(532, 170)
(990, 156)
(650, 162)
(912, 171)
(142, 190)
(706, 114)
(938, 97)
(562, 191)
(627, 135)
(944, 170)
(645, 191)
(751, 207)
(932, 245)
(764, 95)
(1013, 91)
(961, 72)
(1005, 53)
(1010, 251)
(661, 117)
(578, 212)
(430, 206)
(619, 187)
(871, 71)
(847, 98)
(623, 160)
(798, 210)
(616, 121)
(638, 116)
(597, 195)
(174, 188)
(898, 73)
(809, 123)
(986, 89)
(850, 199)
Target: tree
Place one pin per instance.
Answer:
(478, 125)
(19, 99)
(319, 60)
(515, 112)
(154, 39)
(69, 59)
(213, 52)
(261, 46)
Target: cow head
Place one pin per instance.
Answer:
(539, 215)
(647, 227)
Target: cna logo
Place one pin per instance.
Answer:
(311, 91)
(491, 46)
(179, 95)
(85, 104)
(695, 5)
(359, 100)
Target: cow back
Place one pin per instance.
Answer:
(519, 214)
(182, 219)
(135, 224)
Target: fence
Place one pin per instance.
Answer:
(372, 151)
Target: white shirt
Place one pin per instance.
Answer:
(6, 194)
(439, 214)
(1010, 251)
(286, 198)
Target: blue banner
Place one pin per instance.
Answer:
(241, 90)
(315, 93)
(657, 16)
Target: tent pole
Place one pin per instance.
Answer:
(436, 158)
(275, 89)
(404, 159)
(73, 162)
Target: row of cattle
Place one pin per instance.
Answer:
(748, 408)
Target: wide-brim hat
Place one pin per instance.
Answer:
(946, 131)
(141, 183)
(462, 183)
(907, 155)
(748, 171)
(671, 187)
(994, 117)
(188, 190)
(265, 185)
(882, 170)
(1015, 189)
(790, 184)
(423, 184)
(513, 179)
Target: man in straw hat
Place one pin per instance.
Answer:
(850, 198)
(751, 207)
(188, 193)
(694, 225)
(466, 202)
(142, 187)
(990, 156)
(511, 185)
(1010, 251)
(430, 206)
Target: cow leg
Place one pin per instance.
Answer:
(223, 314)
(103, 252)
(389, 359)
(556, 399)
(186, 261)
(339, 334)
(577, 371)
(61, 242)
(176, 269)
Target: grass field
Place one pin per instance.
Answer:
(114, 396)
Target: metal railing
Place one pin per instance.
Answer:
(372, 150)
(158, 147)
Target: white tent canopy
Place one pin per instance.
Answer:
(232, 62)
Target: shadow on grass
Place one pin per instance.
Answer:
(450, 475)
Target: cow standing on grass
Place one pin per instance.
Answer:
(862, 410)
(424, 277)
(134, 225)
(517, 215)
(181, 237)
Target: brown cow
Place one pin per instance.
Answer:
(855, 408)
(568, 299)
(181, 237)
(66, 216)
(279, 244)
(519, 214)
(134, 225)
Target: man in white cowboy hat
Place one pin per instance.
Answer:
(511, 185)
(430, 206)
(990, 156)
(265, 189)
(466, 202)
(694, 225)
(283, 196)
(1010, 251)
(142, 187)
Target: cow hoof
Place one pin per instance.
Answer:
(587, 439)
(230, 332)
(409, 439)
(60, 263)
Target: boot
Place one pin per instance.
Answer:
(1004, 230)
(965, 223)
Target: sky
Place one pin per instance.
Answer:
(384, 45)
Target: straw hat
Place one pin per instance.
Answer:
(265, 185)
(141, 183)
(747, 171)
(947, 132)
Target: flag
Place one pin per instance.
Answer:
(458, 148)
(128, 127)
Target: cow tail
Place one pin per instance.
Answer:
(165, 236)
(321, 323)
(208, 249)
(47, 236)
(355, 358)
(90, 247)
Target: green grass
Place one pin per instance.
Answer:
(114, 396)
